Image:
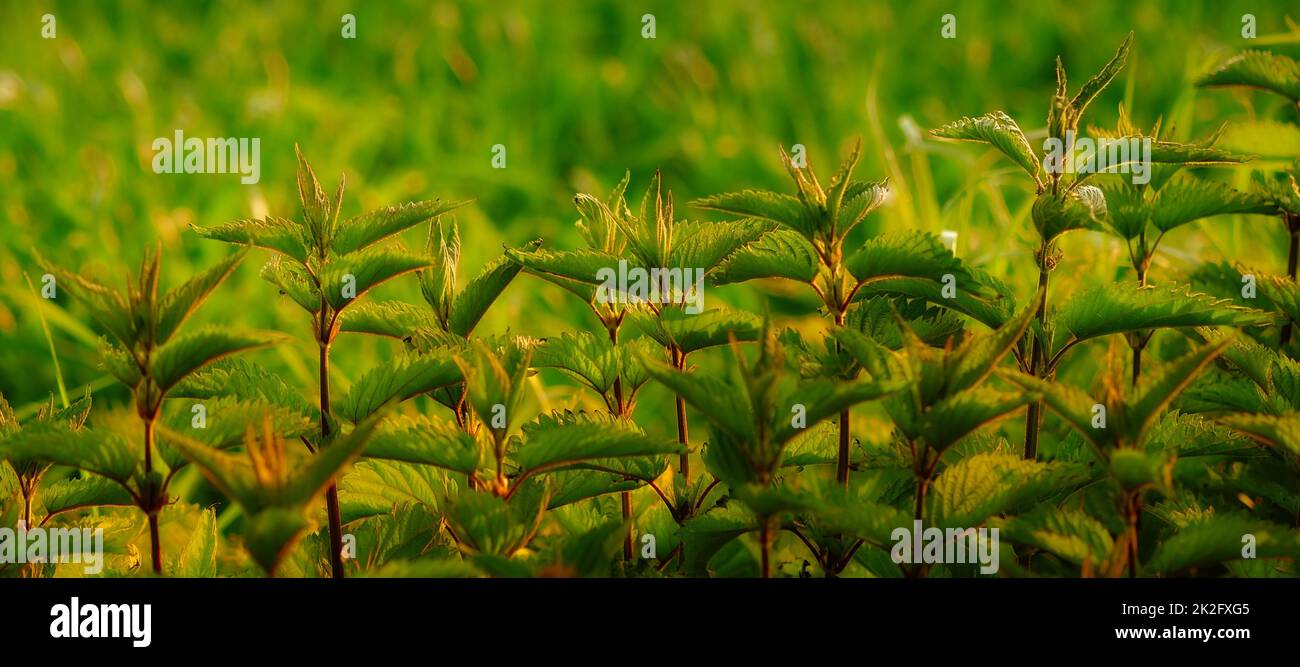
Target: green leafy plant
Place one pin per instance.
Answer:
(650, 240)
(808, 246)
(1280, 75)
(325, 265)
(146, 352)
(1118, 429)
(749, 411)
(273, 490)
(548, 448)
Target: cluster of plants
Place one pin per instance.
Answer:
(1145, 425)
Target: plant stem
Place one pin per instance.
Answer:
(1293, 226)
(155, 545)
(631, 530)
(842, 458)
(922, 490)
(1033, 415)
(626, 495)
(148, 444)
(152, 501)
(1139, 338)
(1132, 512)
(332, 493)
(1137, 359)
(765, 546)
(684, 460)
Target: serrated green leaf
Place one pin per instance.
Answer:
(119, 363)
(702, 246)
(395, 319)
(246, 381)
(398, 379)
(292, 281)
(1093, 86)
(1068, 534)
(359, 232)
(999, 130)
(189, 352)
(555, 444)
(689, 333)
(376, 486)
(763, 205)
(1159, 386)
(1258, 69)
(777, 254)
(970, 491)
(180, 303)
(908, 255)
(199, 557)
(1185, 200)
(90, 491)
(473, 301)
(101, 452)
(488, 524)
(425, 441)
(364, 270)
(273, 233)
(1278, 431)
(1218, 539)
(956, 416)
(1112, 308)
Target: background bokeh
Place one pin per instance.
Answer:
(411, 108)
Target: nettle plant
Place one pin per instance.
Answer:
(647, 268)
(1280, 75)
(452, 457)
(325, 265)
(1119, 428)
(1140, 212)
(756, 410)
(147, 352)
(45, 494)
(808, 245)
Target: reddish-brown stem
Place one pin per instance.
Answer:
(765, 545)
(1139, 338)
(631, 530)
(842, 458)
(683, 438)
(1132, 513)
(332, 493)
(1034, 414)
(922, 488)
(151, 499)
(621, 411)
(1293, 256)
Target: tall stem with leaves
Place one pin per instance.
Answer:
(654, 241)
(1280, 75)
(1061, 204)
(145, 353)
(326, 265)
(806, 243)
(746, 408)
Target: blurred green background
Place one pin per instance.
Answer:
(411, 108)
